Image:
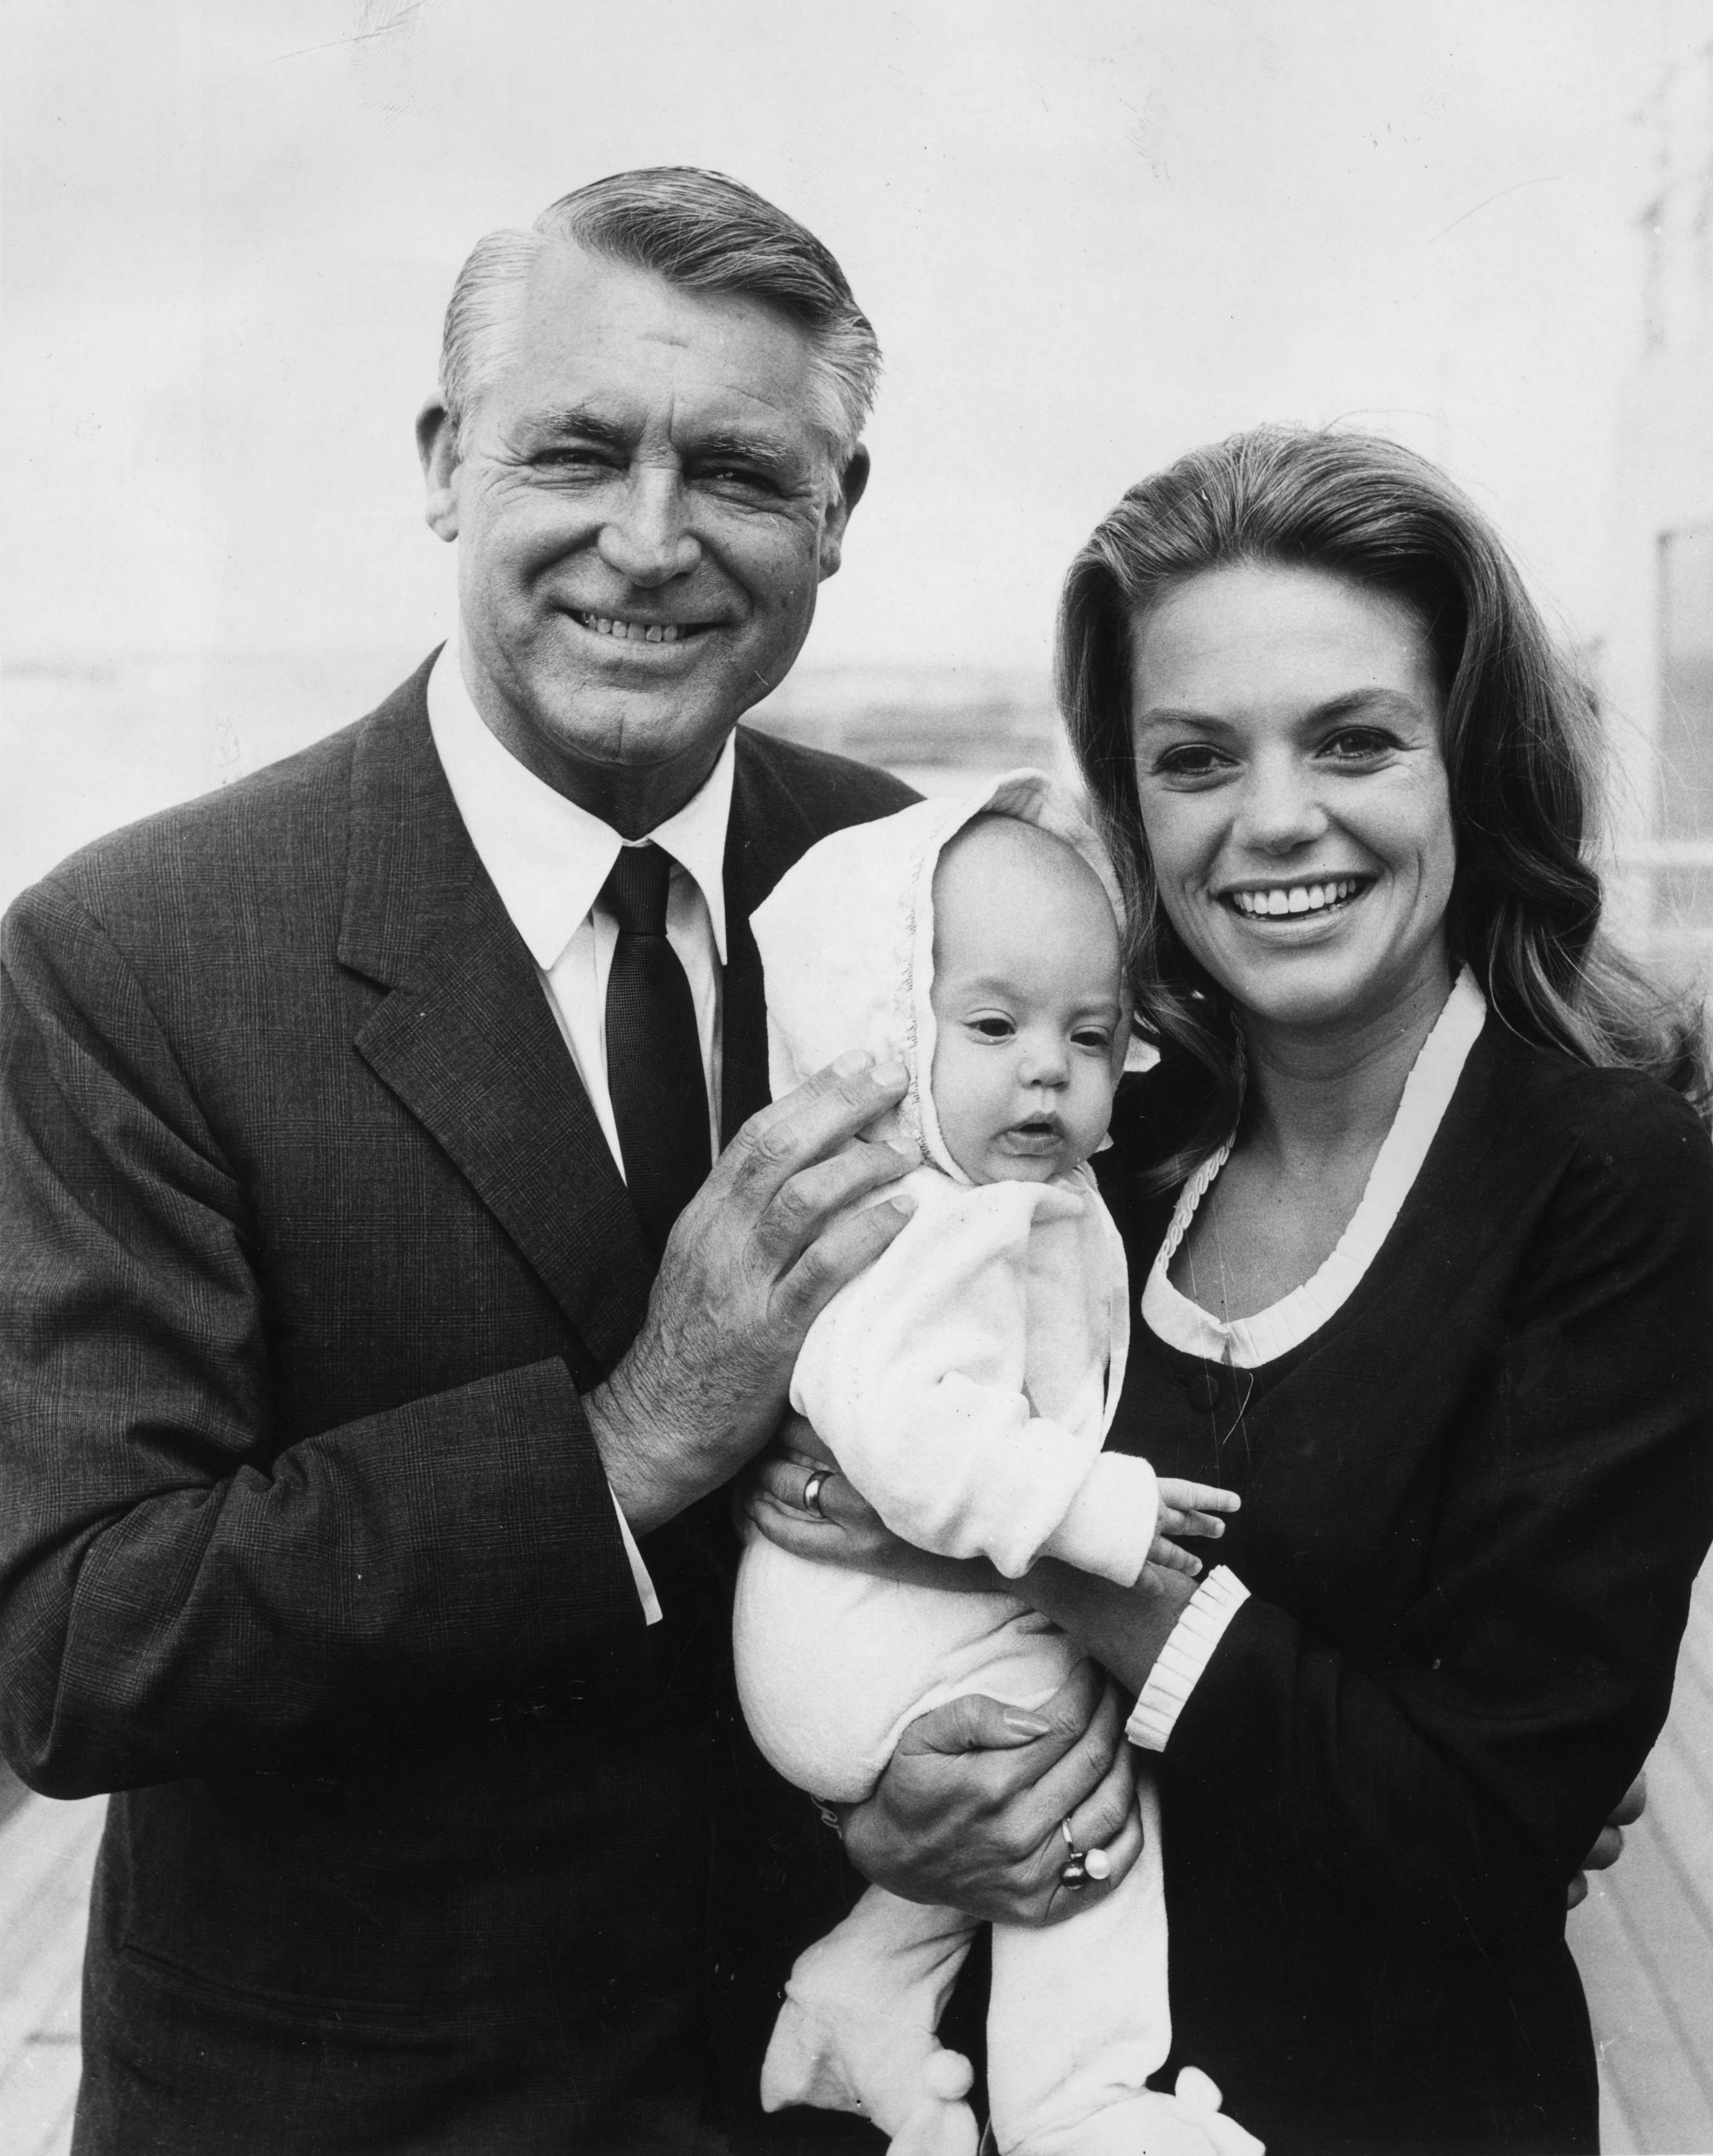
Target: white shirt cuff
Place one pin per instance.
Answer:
(1174, 1677)
(638, 1571)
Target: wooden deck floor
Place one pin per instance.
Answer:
(1644, 1940)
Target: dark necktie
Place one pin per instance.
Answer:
(653, 1053)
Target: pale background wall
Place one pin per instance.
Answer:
(1090, 234)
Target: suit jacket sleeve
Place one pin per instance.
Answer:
(1465, 1775)
(178, 1595)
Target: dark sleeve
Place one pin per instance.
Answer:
(177, 1596)
(1475, 1758)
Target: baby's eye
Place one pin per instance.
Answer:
(1093, 1036)
(992, 1029)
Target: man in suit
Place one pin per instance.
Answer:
(374, 1351)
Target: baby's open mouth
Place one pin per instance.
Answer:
(1285, 900)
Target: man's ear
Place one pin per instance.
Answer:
(436, 448)
(852, 481)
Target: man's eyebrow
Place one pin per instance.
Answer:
(587, 426)
(737, 447)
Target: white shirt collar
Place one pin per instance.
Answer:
(549, 858)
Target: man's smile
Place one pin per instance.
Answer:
(638, 629)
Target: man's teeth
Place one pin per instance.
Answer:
(631, 632)
(1296, 898)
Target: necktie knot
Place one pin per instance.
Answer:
(635, 891)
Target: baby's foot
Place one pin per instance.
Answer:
(879, 2067)
(1189, 2124)
(943, 2125)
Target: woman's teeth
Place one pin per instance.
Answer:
(631, 632)
(1296, 898)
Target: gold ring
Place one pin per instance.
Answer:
(811, 1496)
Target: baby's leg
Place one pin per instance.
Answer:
(832, 1666)
(1079, 2020)
(856, 2032)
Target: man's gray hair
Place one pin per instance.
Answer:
(697, 229)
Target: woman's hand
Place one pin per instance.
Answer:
(970, 1811)
(1608, 1843)
(796, 1496)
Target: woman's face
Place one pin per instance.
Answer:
(1287, 729)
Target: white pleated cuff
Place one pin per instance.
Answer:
(1174, 1677)
(652, 1612)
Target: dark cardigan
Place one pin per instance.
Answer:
(1474, 1505)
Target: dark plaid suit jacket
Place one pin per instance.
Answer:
(309, 1241)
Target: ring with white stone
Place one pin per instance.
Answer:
(1075, 1874)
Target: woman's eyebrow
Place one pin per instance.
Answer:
(1354, 702)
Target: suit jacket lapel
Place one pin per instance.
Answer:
(465, 1038)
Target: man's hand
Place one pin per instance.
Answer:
(751, 1261)
(968, 1812)
(1608, 1843)
(840, 1527)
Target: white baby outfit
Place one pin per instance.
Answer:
(965, 1382)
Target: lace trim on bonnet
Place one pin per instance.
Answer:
(847, 943)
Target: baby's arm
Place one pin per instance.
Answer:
(1187, 1508)
(914, 1376)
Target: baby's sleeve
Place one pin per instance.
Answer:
(914, 1376)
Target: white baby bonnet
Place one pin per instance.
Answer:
(847, 943)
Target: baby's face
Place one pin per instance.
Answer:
(1030, 1026)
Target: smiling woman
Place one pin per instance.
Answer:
(1423, 1219)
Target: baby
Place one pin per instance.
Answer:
(966, 1383)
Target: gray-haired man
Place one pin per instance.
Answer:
(364, 1407)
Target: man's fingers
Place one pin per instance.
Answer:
(847, 1248)
(806, 1201)
(806, 1124)
(1632, 1803)
(1174, 1559)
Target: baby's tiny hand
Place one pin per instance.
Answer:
(1188, 1508)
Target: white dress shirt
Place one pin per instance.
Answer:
(548, 860)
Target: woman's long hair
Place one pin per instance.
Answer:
(1521, 742)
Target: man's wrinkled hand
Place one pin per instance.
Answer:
(763, 1246)
(969, 1811)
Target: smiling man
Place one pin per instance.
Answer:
(398, 1255)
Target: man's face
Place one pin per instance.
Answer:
(643, 510)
